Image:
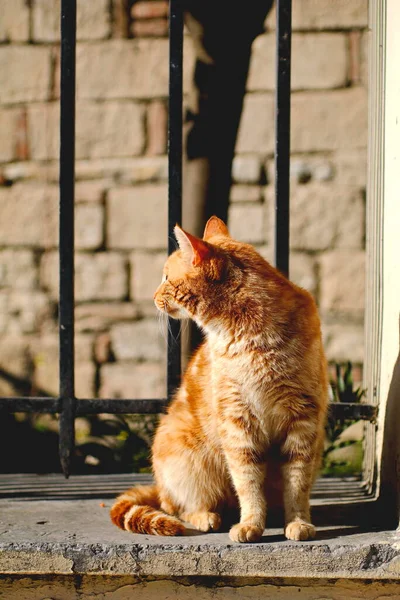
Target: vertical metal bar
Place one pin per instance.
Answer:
(174, 172)
(282, 132)
(67, 173)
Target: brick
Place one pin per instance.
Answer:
(99, 276)
(245, 193)
(151, 28)
(100, 316)
(21, 137)
(102, 130)
(9, 119)
(34, 63)
(14, 361)
(133, 380)
(156, 130)
(29, 215)
(324, 216)
(125, 170)
(328, 121)
(320, 14)
(137, 217)
(256, 130)
(146, 274)
(319, 61)
(93, 20)
(354, 57)
(342, 281)
(303, 271)
(14, 22)
(156, 9)
(141, 340)
(102, 348)
(89, 226)
(343, 341)
(18, 269)
(364, 56)
(246, 169)
(23, 313)
(137, 69)
(248, 223)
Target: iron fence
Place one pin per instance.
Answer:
(67, 405)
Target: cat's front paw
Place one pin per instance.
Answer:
(299, 531)
(242, 532)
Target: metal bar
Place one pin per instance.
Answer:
(174, 173)
(282, 133)
(67, 174)
(339, 410)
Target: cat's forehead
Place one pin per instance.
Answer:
(174, 265)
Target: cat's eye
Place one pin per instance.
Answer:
(164, 278)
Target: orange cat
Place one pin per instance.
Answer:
(247, 423)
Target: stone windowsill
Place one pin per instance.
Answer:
(76, 536)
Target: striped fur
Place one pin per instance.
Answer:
(246, 427)
(137, 511)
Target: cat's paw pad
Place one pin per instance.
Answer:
(205, 521)
(242, 532)
(299, 531)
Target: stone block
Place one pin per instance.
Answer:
(351, 167)
(92, 20)
(248, 223)
(343, 341)
(14, 356)
(100, 316)
(146, 274)
(256, 130)
(326, 121)
(14, 22)
(246, 169)
(137, 217)
(319, 61)
(45, 355)
(9, 118)
(43, 131)
(29, 215)
(320, 14)
(141, 340)
(23, 312)
(109, 129)
(99, 276)
(303, 271)
(342, 282)
(92, 191)
(124, 170)
(89, 226)
(18, 269)
(324, 216)
(34, 63)
(245, 193)
(133, 380)
(137, 69)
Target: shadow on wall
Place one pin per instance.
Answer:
(389, 500)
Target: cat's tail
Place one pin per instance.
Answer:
(137, 510)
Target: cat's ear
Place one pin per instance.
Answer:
(193, 249)
(215, 226)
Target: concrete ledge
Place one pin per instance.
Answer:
(68, 537)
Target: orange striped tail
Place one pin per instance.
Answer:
(137, 510)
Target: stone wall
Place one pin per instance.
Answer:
(121, 183)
